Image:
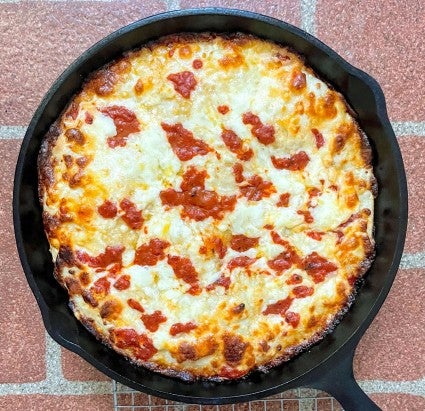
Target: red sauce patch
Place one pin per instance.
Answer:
(125, 338)
(240, 242)
(315, 235)
(296, 162)
(182, 328)
(308, 218)
(146, 348)
(197, 64)
(294, 279)
(318, 267)
(135, 305)
(292, 318)
(285, 259)
(352, 280)
(141, 345)
(183, 143)
(132, 216)
(222, 281)
(101, 286)
(318, 136)
(184, 83)
(108, 209)
(264, 133)
(112, 255)
(279, 307)
(123, 283)
(238, 172)
(88, 118)
(153, 321)
(125, 123)
(255, 188)
(234, 144)
(198, 203)
(283, 200)
(302, 291)
(242, 261)
(184, 270)
(223, 109)
(151, 253)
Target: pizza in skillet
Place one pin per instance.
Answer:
(208, 201)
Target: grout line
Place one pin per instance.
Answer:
(308, 20)
(12, 132)
(403, 128)
(394, 387)
(416, 260)
(172, 4)
(53, 361)
(63, 388)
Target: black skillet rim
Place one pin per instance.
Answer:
(176, 390)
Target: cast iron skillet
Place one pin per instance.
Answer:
(327, 365)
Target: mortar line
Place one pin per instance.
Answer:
(172, 4)
(414, 260)
(12, 132)
(308, 16)
(404, 128)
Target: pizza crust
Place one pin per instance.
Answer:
(208, 201)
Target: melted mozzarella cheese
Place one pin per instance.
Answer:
(233, 307)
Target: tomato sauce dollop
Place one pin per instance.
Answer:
(178, 328)
(240, 242)
(296, 162)
(256, 188)
(183, 143)
(151, 253)
(154, 320)
(125, 122)
(107, 209)
(184, 83)
(318, 267)
(184, 270)
(242, 261)
(123, 283)
(198, 203)
(264, 133)
(279, 307)
(112, 255)
(234, 144)
(132, 216)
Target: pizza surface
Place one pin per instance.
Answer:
(208, 201)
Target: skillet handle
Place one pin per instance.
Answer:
(339, 381)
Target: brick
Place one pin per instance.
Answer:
(56, 402)
(288, 11)
(22, 333)
(43, 38)
(384, 38)
(74, 368)
(412, 148)
(393, 347)
(399, 402)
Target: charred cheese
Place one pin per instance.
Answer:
(208, 201)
